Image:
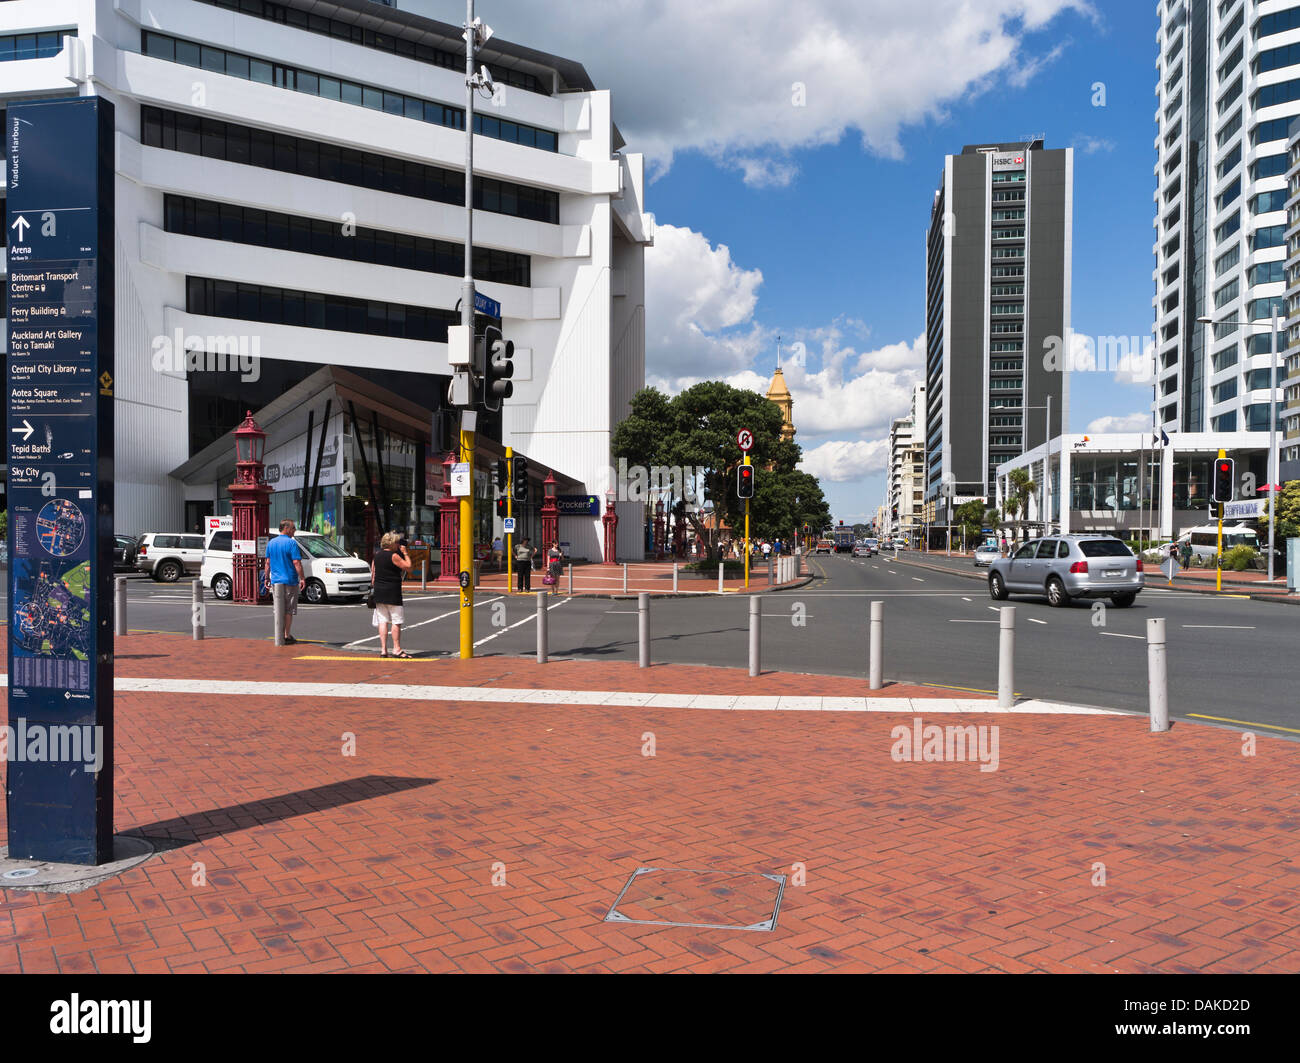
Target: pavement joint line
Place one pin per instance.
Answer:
(634, 699)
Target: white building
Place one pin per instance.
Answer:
(1119, 484)
(289, 178)
(906, 488)
(1228, 86)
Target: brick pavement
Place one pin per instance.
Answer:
(654, 577)
(384, 860)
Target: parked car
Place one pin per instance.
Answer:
(986, 553)
(1069, 566)
(166, 556)
(329, 571)
(124, 553)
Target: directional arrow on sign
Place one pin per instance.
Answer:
(27, 430)
(22, 225)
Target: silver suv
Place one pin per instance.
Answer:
(1062, 567)
(166, 556)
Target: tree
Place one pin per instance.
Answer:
(1288, 512)
(969, 516)
(1022, 489)
(698, 428)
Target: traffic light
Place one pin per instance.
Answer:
(501, 507)
(503, 473)
(519, 485)
(500, 368)
(744, 481)
(1223, 480)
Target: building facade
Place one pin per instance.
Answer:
(1228, 88)
(1289, 468)
(906, 487)
(998, 254)
(289, 196)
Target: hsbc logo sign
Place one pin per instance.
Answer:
(1002, 162)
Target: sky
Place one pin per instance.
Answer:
(793, 152)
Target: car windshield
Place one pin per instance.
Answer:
(1104, 548)
(319, 546)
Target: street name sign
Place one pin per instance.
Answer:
(60, 231)
(487, 307)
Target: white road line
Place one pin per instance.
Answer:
(918, 579)
(965, 599)
(972, 621)
(1032, 620)
(892, 572)
(412, 627)
(1225, 627)
(525, 620)
(993, 608)
(1117, 635)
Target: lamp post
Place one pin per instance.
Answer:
(250, 508)
(610, 520)
(1275, 322)
(550, 512)
(1047, 465)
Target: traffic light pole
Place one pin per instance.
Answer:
(467, 320)
(1218, 560)
(747, 535)
(467, 550)
(510, 512)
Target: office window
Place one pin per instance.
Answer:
(1266, 201)
(1267, 272)
(1269, 236)
(1226, 261)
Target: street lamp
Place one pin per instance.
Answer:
(1047, 464)
(1276, 323)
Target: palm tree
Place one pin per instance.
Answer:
(1022, 489)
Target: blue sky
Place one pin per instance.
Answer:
(810, 222)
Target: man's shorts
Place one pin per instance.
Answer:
(290, 598)
(388, 614)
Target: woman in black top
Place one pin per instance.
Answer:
(387, 570)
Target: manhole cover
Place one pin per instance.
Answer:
(22, 872)
(721, 900)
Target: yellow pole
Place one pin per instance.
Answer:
(1218, 560)
(467, 551)
(747, 535)
(510, 512)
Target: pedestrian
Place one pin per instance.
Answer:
(498, 553)
(387, 569)
(555, 559)
(767, 548)
(524, 553)
(284, 566)
(1186, 551)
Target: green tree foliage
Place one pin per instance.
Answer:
(698, 428)
(1288, 511)
(969, 516)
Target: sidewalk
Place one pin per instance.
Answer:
(496, 835)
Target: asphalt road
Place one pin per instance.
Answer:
(1229, 658)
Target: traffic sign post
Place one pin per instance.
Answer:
(60, 457)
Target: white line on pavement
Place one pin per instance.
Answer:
(525, 620)
(1225, 627)
(918, 579)
(412, 627)
(1117, 635)
(1033, 620)
(972, 621)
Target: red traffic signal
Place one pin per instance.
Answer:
(1223, 479)
(745, 481)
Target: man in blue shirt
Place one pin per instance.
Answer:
(284, 565)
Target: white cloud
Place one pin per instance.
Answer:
(1129, 422)
(841, 461)
(727, 80)
(1090, 145)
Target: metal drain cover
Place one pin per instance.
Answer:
(718, 900)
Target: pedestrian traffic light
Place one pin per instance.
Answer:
(500, 368)
(503, 474)
(1223, 480)
(519, 480)
(744, 481)
(501, 507)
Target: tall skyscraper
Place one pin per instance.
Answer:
(997, 296)
(1228, 85)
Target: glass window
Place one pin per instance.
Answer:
(1063, 549)
(308, 83)
(237, 65)
(1046, 549)
(1026, 552)
(155, 44)
(260, 71)
(330, 88)
(188, 54)
(350, 92)
(394, 102)
(1104, 548)
(213, 59)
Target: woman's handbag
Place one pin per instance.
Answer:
(548, 579)
(370, 601)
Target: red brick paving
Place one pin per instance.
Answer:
(654, 577)
(384, 861)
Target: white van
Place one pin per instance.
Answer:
(1205, 539)
(329, 571)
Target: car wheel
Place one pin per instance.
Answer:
(997, 589)
(168, 571)
(314, 592)
(1057, 596)
(1124, 600)
(222, 588)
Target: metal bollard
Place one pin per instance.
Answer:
(424, 575)
(674, 577)
(541, 628)
(197, 609)
(1006, 656)
(643, 629)
(570, 579)
(119, 606)
(1157, 675)
(277, 607)
(624, 577)
(720, 575)
(755, 635)
(771, 577)
(877, 646)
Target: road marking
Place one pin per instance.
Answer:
(1248, 723)
(1034, 620)
(918, 579)
(993, 609)
(892, 572)
(525, 620)
(972, 621)
(1117, 635)
(412, 627)
(1225, 627)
